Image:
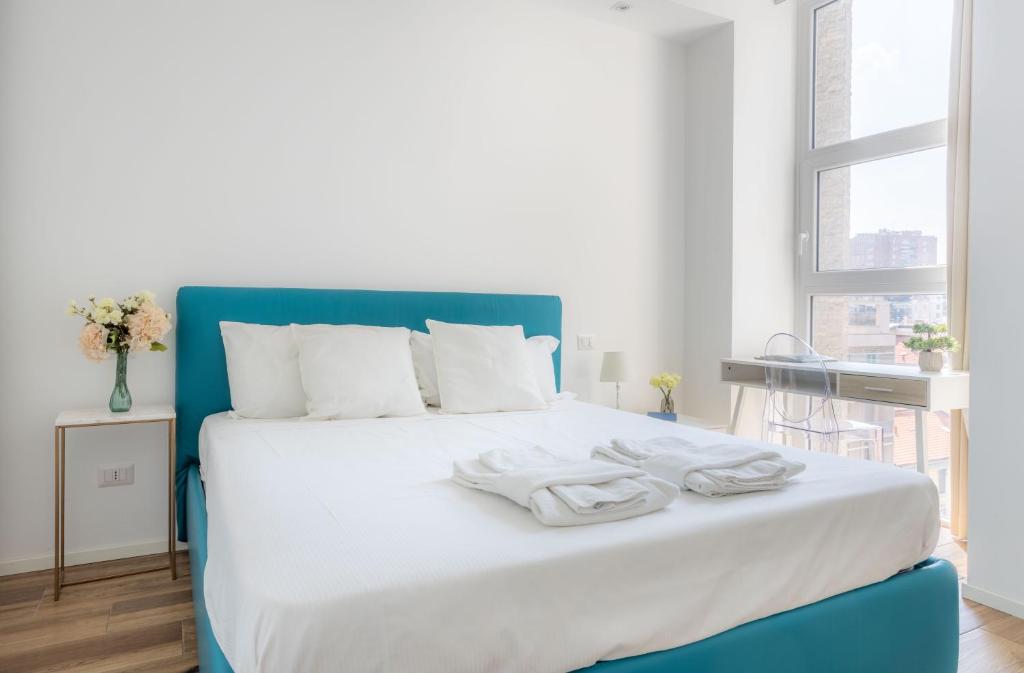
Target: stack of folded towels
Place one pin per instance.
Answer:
(566, 493)
(720, 469)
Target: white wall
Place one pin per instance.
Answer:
(707, 285)
(760, 263)
(480, 145)
(764, 168)
(996, 508)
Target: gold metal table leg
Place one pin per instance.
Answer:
(170, 499)
(64, 489)
(56, 513)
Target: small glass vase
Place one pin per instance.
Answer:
(668, 405)
(120, 398)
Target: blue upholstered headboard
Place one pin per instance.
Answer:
(201, 380)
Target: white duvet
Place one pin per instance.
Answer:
(344, 545)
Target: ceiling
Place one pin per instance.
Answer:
(665, 19)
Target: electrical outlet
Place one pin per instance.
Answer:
(584, 342)
(115, 475)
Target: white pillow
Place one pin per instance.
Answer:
(483, 368)
(355, 371)
(426, 370)
(263, 370)
(540, 349)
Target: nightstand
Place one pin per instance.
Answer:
(701, 423)
(91, 418)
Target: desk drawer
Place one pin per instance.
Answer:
(881, 389)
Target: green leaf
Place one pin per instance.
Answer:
(157, 346)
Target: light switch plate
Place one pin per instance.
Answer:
(115, 475)
(584, 342)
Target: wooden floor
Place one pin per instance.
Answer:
(144, 623)
(139, 623)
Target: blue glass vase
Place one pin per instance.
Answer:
(120, 398)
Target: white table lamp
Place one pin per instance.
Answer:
(615, 369)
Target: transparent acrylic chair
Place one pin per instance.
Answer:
(811, 418)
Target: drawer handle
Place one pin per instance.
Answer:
(873, 389)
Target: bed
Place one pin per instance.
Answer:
(310, 552)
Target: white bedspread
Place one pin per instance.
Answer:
(344, 545)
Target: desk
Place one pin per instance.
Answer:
(889, 385)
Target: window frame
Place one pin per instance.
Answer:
(812, 160)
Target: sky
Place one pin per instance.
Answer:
(901, 56)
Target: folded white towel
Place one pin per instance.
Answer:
(565, 493)
(720, 469)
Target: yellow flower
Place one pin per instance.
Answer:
(666, 380)
(72, 307)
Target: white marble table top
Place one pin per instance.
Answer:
(140, 413)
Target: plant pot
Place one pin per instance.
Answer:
(930, 361)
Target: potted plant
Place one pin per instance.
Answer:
(131, 325)
(666, 382)
(931, 340)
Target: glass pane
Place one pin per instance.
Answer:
(879, 65)
(884, 214)
(873, 329)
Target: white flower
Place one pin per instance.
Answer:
(105, 315)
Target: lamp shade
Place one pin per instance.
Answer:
(614, 367)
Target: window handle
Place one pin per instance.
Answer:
(801, 243)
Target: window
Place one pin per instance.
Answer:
(872, 191)
(872, 328)
(883, 214)
(879, 65)
(872, 171)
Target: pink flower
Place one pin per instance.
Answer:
(93, 342)
(148, 324)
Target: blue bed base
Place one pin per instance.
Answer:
(906, 624)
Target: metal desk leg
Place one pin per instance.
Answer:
(737, 408)
(170, 500)
(63, 491)
(922, 440)
(56, 513)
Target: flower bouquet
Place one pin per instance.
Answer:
(134, 324)
(666, 382)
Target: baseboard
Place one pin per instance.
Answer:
(86, 556)
(993, 600)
